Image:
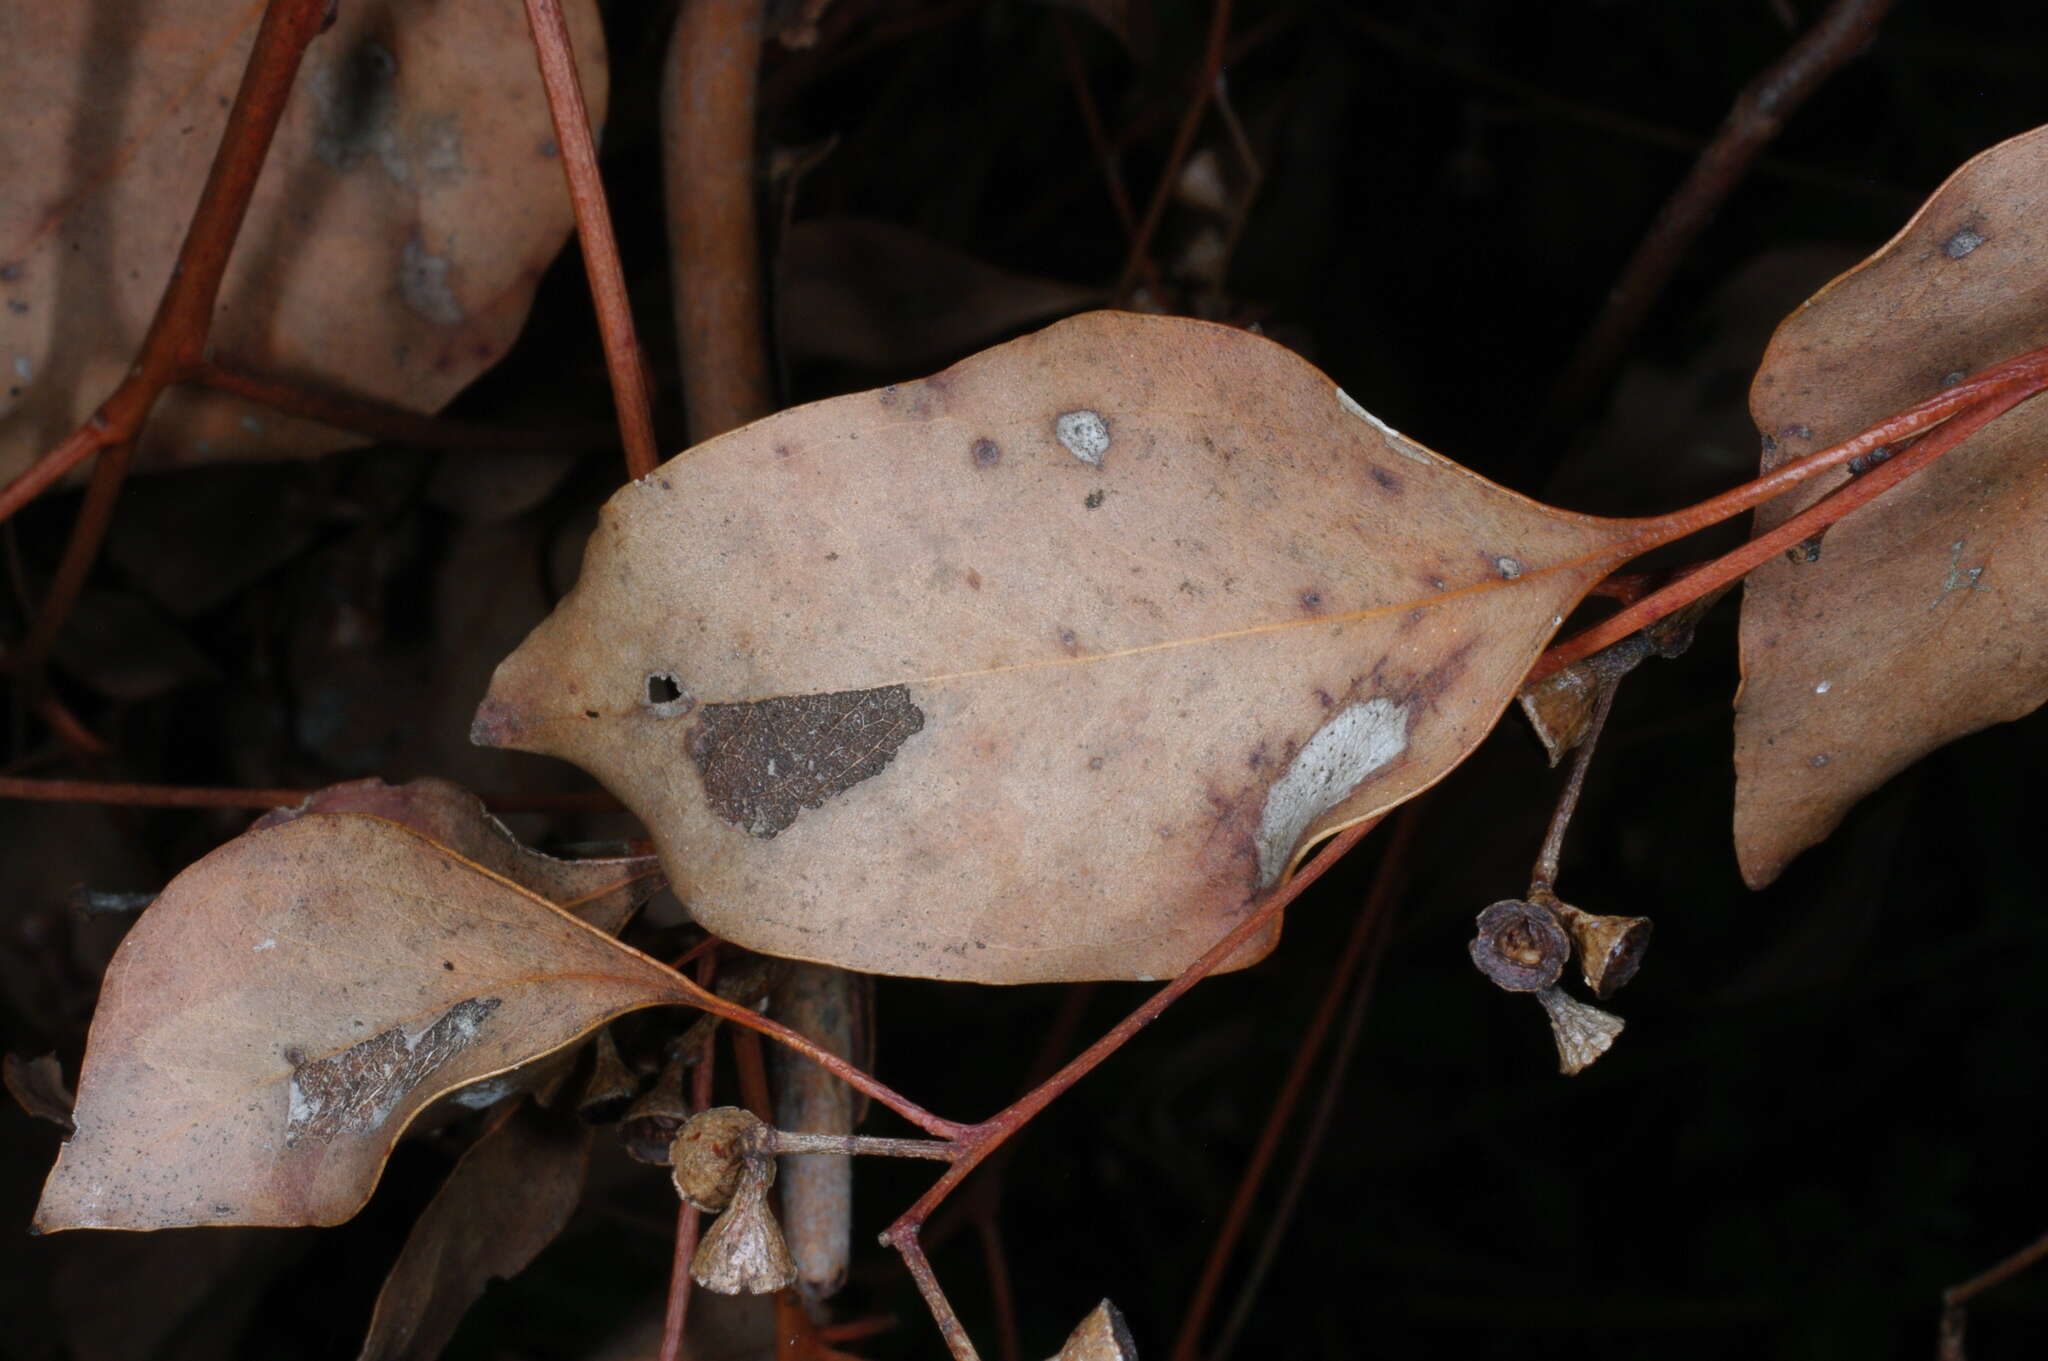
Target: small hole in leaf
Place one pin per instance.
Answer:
(666, 697)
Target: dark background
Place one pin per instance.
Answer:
(1818, 1116)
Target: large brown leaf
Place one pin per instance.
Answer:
(291, 1001)
(1926, 615)
(508, 1198)
(1044, 667)
(410, 202)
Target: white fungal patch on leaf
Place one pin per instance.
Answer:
(1085, 435)
(1358, 741)
(1509, 568)
(1396, 441)
(356, 1090)
(268, 943)
(423, 284)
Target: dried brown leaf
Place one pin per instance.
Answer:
(38, 1087)
(1926, 615)
(1102, 1336)
(410, 202)
(603, 892)
(290, 1002)
(507, 1198)
(1044, 667)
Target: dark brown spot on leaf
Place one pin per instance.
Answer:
(1093, 499)
(1312, 600)
(764, 762)
(357, 1090)
(1388, 482)
(986, 453)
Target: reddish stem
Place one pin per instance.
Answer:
(690, 994)
(934, 1297)
(753, 1073)
(1105, 152)
(199, 796)
(176, 339)
(381, 420)
(979, 1141)
(594, 230)
(2027, 373)
(1183, 142)
(677, 1318)
(1365, 934)
(1759, 112)
(1713, 575)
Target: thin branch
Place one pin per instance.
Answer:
(852, 1145)
(594, 230)
(176, 339)
(1364, 942)
(676, 1319)
(1098, 139)
(381, 420)
(1183, 143)
(708, 97)
(1543, 878)
(1954, 1316)
(1754, 121)
(202, 796)
(691, 994)
(979, 1141)
(81, 552)
(934, 1297)
(1253, 1278)
(1729, 567)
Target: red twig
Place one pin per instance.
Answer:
(753, 1074)
(594, 230)
(199, 796)
(381, 420)
(979, 1141)
(677, 1318)
(1954, 1315)
(1752, 124)
(1251, 1280)
(1366, 934)
(1098, 138)
(1713, 575)
(176, 339)
(707, 113)
(1183, 142)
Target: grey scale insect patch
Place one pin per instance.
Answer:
(356, 1091)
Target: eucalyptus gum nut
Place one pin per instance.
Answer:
(743, 1252)
(1520, 946)
(709, 1153)
(1610, 948)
